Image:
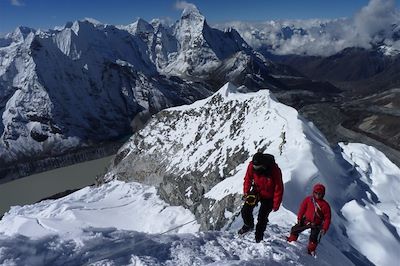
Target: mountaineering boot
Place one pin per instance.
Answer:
(245, 229)
(311, 248)
(291, 238)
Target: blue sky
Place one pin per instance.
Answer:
(46, 14)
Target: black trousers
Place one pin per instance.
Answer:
(265, 209)
(301, 226)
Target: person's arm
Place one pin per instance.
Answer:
(278, 192)
(302, 209)
(248, 179)
(326, 210)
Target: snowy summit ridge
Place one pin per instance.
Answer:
(196, 155)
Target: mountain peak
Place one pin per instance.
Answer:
(230, 88)
(85, 24)
(142, 25)
(190, 9)
(191, 12)
(20, 33)
(93, 21)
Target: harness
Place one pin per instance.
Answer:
(316, 208)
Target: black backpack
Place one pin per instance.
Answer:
(263, 163)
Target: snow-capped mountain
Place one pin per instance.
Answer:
(78, 87)
(194, 157)
(82, 84)
(192, 50)
(201, 48)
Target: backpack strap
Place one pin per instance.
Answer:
(316, 208)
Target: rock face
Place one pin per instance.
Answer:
(192, 152)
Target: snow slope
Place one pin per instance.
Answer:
(383, 180)
(122, 223)
(126, 206)
(125, 223)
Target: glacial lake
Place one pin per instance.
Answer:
(33, 188)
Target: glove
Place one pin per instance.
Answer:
(322, 232)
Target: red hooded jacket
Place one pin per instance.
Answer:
(320, 213)
(266, 187)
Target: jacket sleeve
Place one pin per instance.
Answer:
(302, 209)
(278, 191)
(248, 179)
(327, 217)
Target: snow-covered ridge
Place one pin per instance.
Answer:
(197, 155)
(135, 204)
(86, 228)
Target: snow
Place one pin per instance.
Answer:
(125, 223)
(117, 247)
(379, 246)
(382, 177)
(126, 206)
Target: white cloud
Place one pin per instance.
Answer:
(324, 37)
(376, 17)
(181, 5)
(16, 3)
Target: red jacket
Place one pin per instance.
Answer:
(318, 214)
(266, 187)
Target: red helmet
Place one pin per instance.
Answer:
(319, 188)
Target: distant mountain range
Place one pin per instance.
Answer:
(82, 85)
(87, 84)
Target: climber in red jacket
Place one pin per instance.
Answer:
(314, 213)
(262, 183)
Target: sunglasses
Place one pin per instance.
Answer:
(318, 193)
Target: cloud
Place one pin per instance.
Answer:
(181, 5)
(371, 24)
(16, 3)
(376, 17)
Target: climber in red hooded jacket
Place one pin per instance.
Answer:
(314, 213)
(262, 183)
